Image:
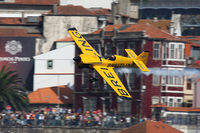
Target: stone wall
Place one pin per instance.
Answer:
(55, 28)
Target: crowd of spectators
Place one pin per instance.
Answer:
(65, 117)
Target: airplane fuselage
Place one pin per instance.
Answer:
(119, 61)
(113, 61)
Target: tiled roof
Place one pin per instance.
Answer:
(159, 105)
(101, 11)
(73, 10)
(192, 40)
(183, 109)
(15, 21)
(177, 109)
(16, 32)
(10, 21)
(50, 95)
(32, 2)
(151, 127)
(150, 30)
(66, 39)
(161, 24)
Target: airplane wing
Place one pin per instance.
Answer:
(141, 65)
(113, 80)
(85, 47)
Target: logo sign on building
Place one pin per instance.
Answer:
(14, 47)
(17, 53)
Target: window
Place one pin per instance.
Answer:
(155, 100)
(131, 79)
(180, 51)
(132, 45)
(156, 51)
(95, 84)
(120, 48)
(97, 48)
(164, 100)
(124, 106)
(49, 64)
(189, 84)
(171, 102)
(108, 49)
(171, 80)
(85, 78)
(178, 102)
(179, 80)
(156, 80)
(172, 51)
(106, 86)
(89, 104)
(163, 80)
(164, 51)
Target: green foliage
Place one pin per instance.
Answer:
(11, 90)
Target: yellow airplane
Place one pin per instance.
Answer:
(104, 66)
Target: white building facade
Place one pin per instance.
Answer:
(55, 68)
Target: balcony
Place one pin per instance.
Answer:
(174, 63)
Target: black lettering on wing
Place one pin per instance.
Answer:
(115, 83)
(83, 43)
(109, 75)
(88, 49)
(122, 92)
(76, 34)
(104, 68)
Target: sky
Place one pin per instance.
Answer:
(88, 3)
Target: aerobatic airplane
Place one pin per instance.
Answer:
(104, 66)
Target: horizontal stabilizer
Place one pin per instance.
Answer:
(141, 65)
(140, 60)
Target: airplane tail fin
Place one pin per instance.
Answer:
(140, 60)
(144, 56)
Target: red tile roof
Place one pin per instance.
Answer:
(151, 127)
(192, 40)
(66, 39)
(150, 30)
(159, 105)
(177, 109)
(16, 32)
(49, 96)
(32, 2)
(10, 21)
(183, 109)
(15, 21)
(102, 11)
(161, 24)
(73, 10)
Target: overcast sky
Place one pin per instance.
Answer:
(88, 3)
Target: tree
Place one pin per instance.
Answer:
(12, 91)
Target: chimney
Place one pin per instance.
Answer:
(155, 19)
(114, 10)
(23, 19)
(54, 9)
